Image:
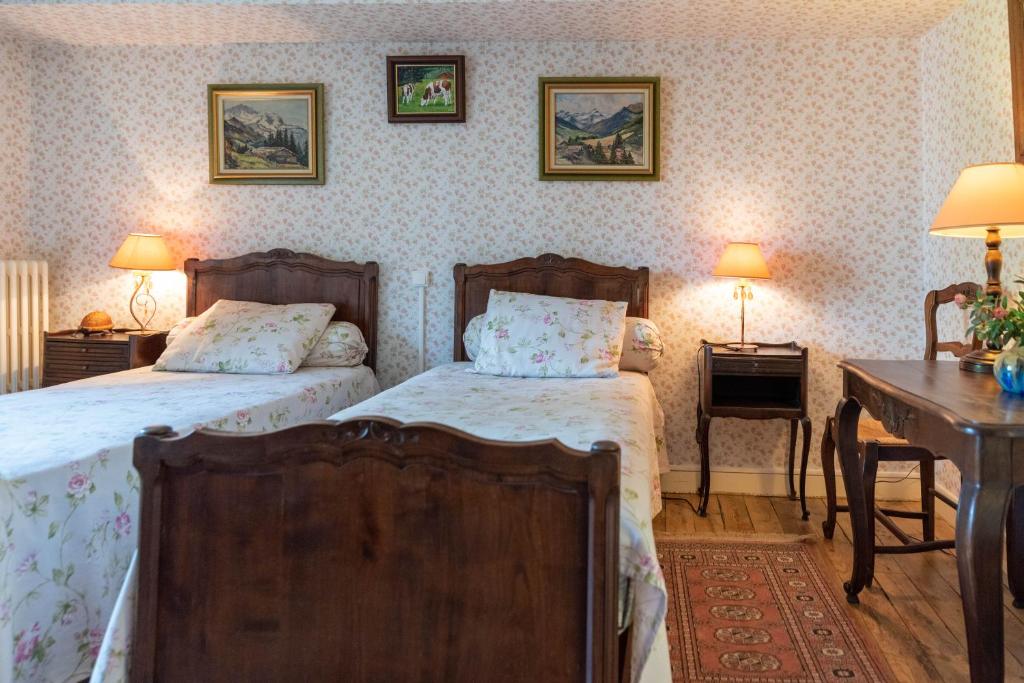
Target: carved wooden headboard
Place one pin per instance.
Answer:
(551, 275)
(281, 276)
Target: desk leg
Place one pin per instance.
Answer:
(703, 436)
(1015, 547)
(861, 519)
(792, 457)
(805, 422)
(979, 552)
(828, 470)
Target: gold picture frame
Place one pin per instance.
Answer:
(600, 128)
(266, 133)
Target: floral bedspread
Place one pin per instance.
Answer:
(577, 412)
(69, 493)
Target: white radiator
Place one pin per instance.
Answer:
(24, 316)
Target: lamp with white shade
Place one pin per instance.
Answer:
(143, 253)
(742, 260)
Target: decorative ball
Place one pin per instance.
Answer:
(97, 321)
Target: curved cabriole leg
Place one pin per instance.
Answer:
(828, 470)
(1015, 547)
(792, 457)
(705, 464)
(805, 422)
(847, 418)
(979, 547)
(870, 470)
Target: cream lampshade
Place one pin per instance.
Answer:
(742, 260)
(143, 253)
(987, 201)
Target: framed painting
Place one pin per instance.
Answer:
(267, 134)
(599, 128)
(427, 89)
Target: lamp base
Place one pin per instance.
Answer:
(980, 360)
(745, 348)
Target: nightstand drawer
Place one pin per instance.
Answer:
(69, 356)
(61, 352)
(786, 367)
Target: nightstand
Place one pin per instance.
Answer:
(768, 384)
(70, 355)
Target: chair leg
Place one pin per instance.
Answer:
(805, 423)
(828, 470)
(705, 464)
(792, 459)
(928, 499)
(870, 475)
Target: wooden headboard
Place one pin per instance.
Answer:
(281, 276)
(548, 274)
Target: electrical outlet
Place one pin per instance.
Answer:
(420, 278)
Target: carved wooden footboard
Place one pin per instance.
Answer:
(372, 551)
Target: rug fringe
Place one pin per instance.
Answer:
(736, 538)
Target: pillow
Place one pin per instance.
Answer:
(178, 328)
(340, 346)
(243, 337)
(527, 335)
(642, 346)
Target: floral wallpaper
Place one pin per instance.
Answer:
(966, 118)
(15, 134)
(810, 147)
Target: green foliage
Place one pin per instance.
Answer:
(997, 322)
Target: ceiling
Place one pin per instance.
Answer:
(196, 22)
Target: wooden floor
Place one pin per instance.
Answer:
(913, 609)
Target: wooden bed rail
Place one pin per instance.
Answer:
(369, 551)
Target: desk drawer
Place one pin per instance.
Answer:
(757, 366)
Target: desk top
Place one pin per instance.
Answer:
(971, 402)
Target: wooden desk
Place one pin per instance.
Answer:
(967, 418)
(770, 384)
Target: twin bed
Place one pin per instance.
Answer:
(70, 495)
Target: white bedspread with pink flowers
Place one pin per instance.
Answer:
(69, 493)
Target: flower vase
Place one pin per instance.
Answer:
(1009, 369)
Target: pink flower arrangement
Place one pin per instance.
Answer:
(960, 300)
(999, 313)
(78, 485)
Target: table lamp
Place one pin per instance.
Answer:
(142, 254)
(742, 260)
(987, 201)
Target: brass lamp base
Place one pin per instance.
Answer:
(980, 360)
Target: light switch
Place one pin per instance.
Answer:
(420, 278)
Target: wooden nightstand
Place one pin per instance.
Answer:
(69, 355)
(768, 384)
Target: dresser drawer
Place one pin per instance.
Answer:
(758, 366)
(62, 352)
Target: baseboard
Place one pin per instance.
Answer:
(943, 511)
(772, 483)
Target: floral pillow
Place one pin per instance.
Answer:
(243, 337)
(340, 346)
(178, 328)
(527, 335)
(642, 346)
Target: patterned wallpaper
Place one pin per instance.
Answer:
(966, 118)
(15, 133)
(809, 147)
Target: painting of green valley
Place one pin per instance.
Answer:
(599, 129)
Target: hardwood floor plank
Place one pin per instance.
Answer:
(735, 516)
(762, 515)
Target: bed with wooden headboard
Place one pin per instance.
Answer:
(83, 431)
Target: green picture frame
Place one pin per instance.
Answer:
(617, 137)
(266, 133)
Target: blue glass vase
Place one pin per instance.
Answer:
(1009, 369)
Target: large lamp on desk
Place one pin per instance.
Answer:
(987, 201)
(742, 260)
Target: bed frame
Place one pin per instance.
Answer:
(281, 276)
(548, 274)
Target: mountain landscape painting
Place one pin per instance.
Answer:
(599, 129)
(265, 135)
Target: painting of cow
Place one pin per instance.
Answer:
(426, 89)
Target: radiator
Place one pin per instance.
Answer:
(24, 316)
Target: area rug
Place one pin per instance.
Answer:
(762, 611)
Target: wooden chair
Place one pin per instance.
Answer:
(876, 445)
(371, 551)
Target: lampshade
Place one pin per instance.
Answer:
(984, 196)
(143, 252)
(742, 259)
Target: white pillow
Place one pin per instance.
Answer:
(340, 346)
(642, 345)
(527, 335)
(243, 337)
(178, 328)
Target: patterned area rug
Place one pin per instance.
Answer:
(761, 611)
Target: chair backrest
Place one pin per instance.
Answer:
(371, 551)
(939, 297)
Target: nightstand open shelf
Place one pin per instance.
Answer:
(768, 384)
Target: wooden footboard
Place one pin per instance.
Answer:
(372, 551)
